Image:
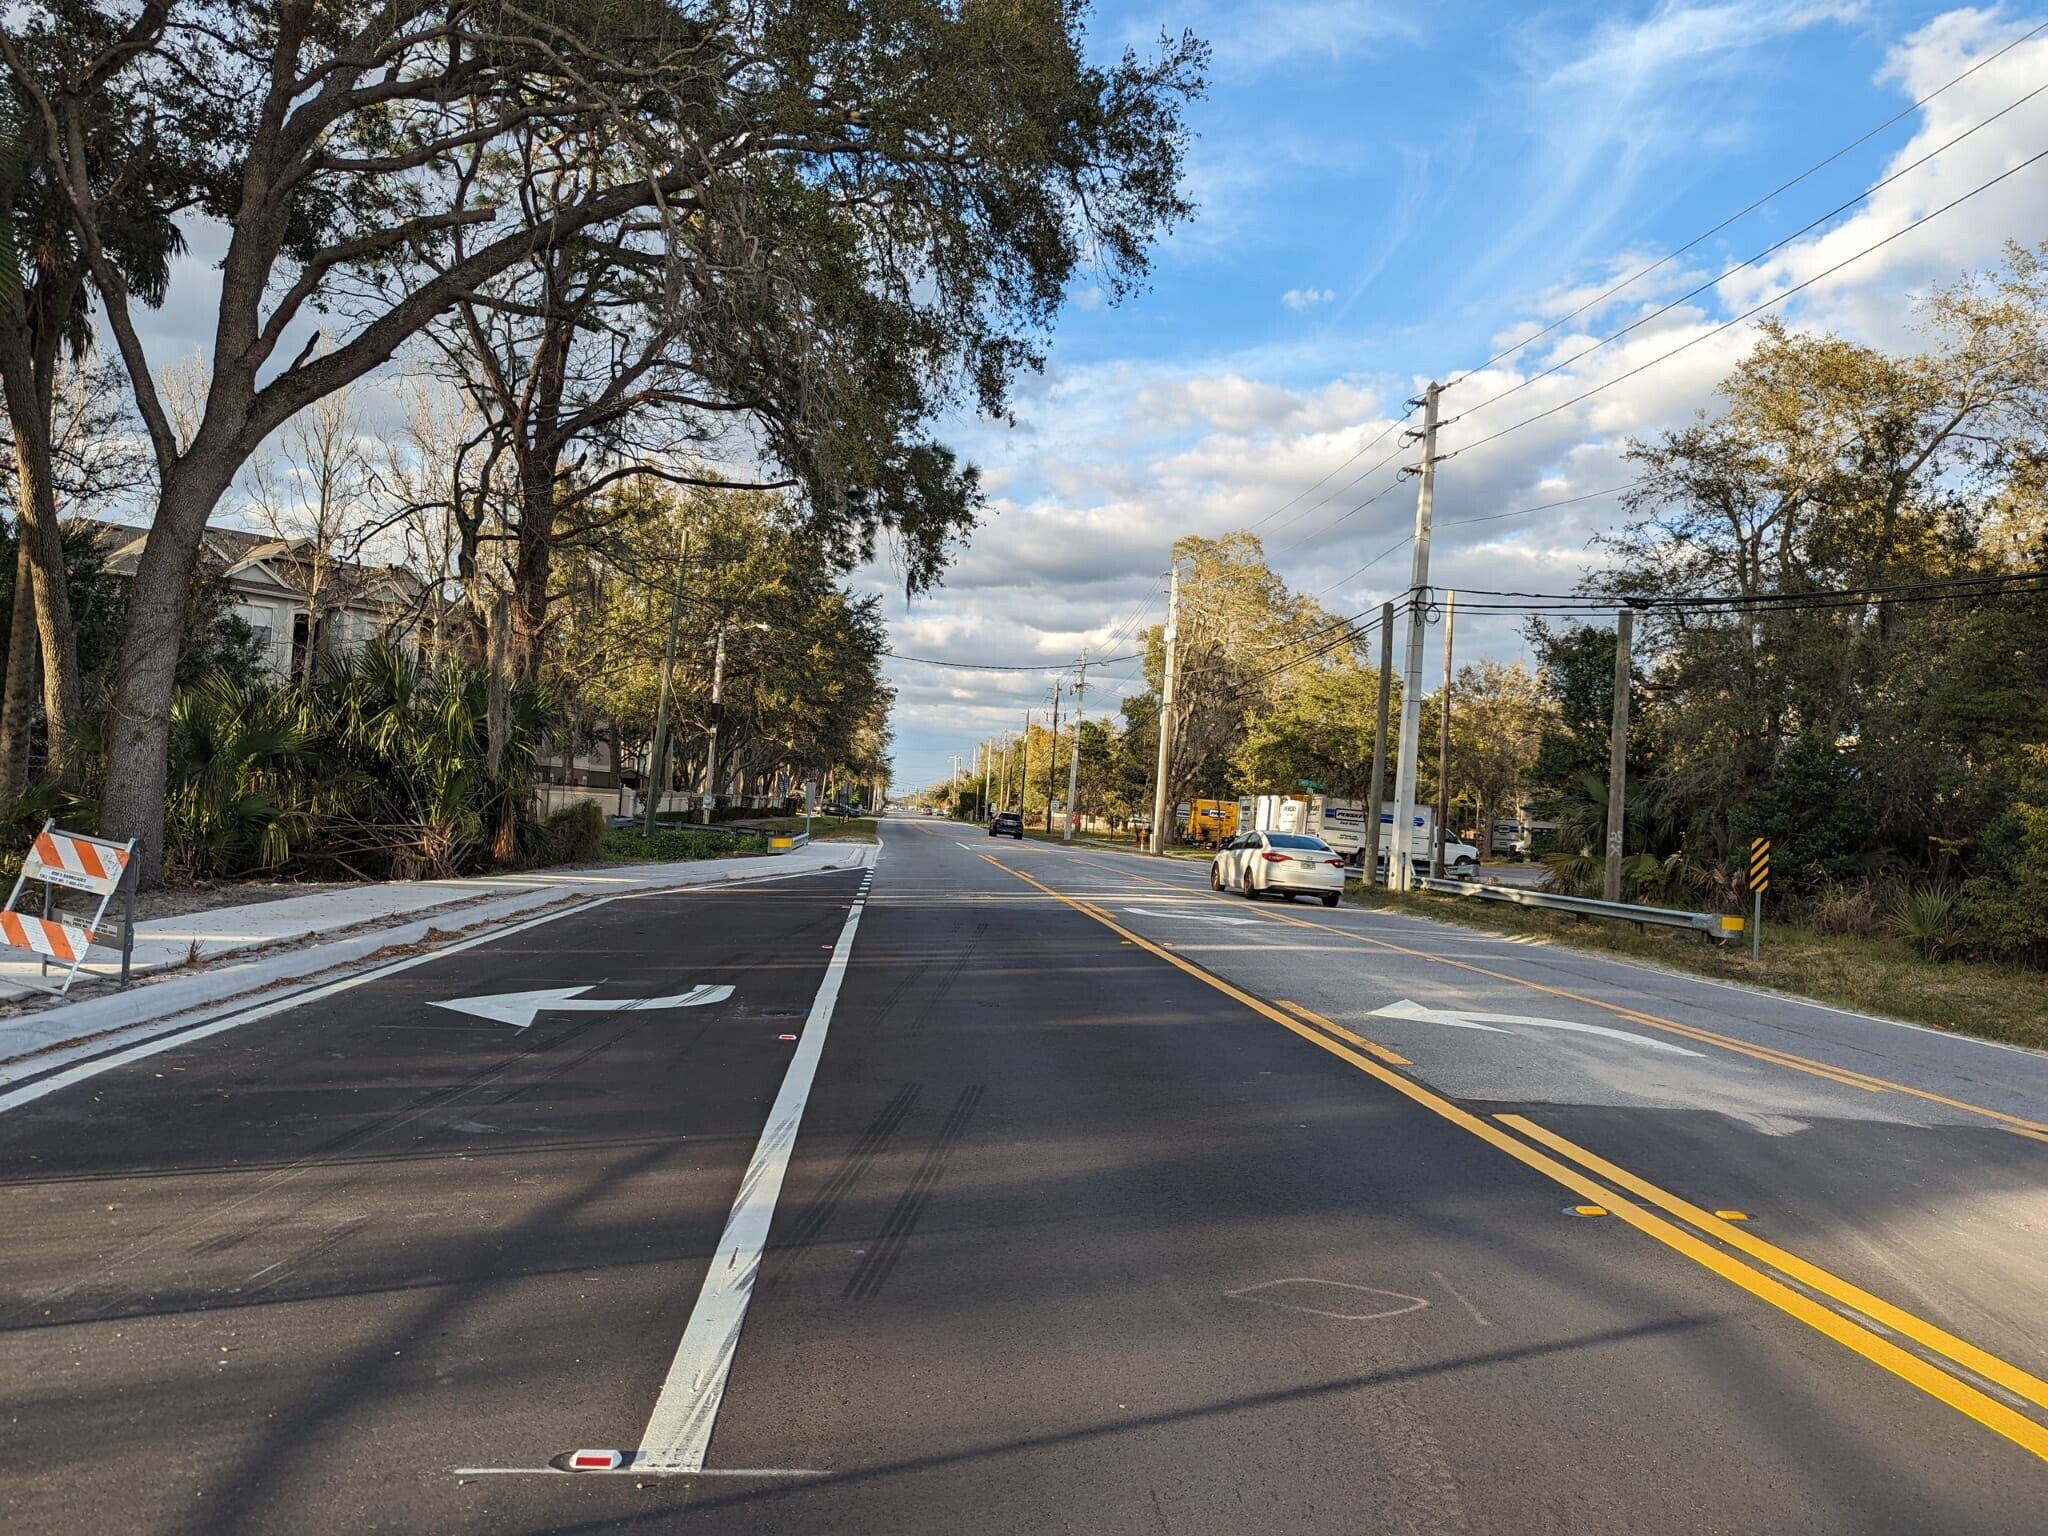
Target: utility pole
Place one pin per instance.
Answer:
(955, 807)
(1443, 745)
(988, 757)
(1052, 758)
(657, 777)
(1024, 766)
(1379, 750)
(1003, 769)
(1617, 753)
(1162, 812)
(1074, 754)
(1400, 865)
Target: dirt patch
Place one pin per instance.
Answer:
(176, 901)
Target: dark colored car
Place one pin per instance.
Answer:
(1007, 824)
(837, 808)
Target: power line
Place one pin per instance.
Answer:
(1399, 544)
(1129, 626)
(1490, 517)
(975, 666)
(1494, 517)
(2001, 584)
(1742, 213)
(1352, 458)
(1754, 310)
(1352, 511)
(1354, 632)
(1692, 293)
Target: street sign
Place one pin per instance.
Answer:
(1759, 882)
(1309, 783)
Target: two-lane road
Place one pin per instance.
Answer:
(1030, 1189)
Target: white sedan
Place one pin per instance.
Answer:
(1256, 864)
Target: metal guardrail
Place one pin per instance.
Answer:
(1712, 924)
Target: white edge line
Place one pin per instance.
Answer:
(678, 1433)
(164, 1042)
(48, 1081)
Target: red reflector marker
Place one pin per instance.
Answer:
(596, 1461)
(785, 1037)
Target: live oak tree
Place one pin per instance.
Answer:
(1883, 732)
(1246, 644)
(803, 696)
(137, 174)
(862, 213)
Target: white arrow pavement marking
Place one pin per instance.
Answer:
(1191, 917)
(518, 1008)
(1465, 1018)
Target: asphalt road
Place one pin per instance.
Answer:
(1025, 1191)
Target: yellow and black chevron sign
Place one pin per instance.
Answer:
(1760, 864)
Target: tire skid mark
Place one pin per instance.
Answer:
(873, 1271)
(818, 1213)
(945, 984)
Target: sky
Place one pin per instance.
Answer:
(1393, 194)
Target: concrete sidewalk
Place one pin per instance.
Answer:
(246, 949)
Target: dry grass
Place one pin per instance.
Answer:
(1882, 976)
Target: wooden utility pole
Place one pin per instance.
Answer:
(1617, 754)
(1024, 766)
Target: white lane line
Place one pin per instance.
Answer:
(42, 1086)
(678, 1433)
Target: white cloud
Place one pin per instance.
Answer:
(1867, 297)
(1307, 298)
(1123, 457)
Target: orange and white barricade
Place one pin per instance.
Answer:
(74, 862)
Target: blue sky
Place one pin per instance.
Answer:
(1390, 192)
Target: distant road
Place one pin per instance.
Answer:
(1013, 1188)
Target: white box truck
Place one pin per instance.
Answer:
(1340, 823)
(1459, 856)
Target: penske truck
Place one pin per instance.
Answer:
(1340, 823)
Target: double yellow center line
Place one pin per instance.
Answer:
(1797, 1286)
(1847, 1077)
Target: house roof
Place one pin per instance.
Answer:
(251, 560)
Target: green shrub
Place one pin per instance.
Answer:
(2008, 906)
(632, 846)
(575, 834)
(1930, 919)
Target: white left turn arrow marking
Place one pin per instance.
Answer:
(1465, 1018)
(519, 1008)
